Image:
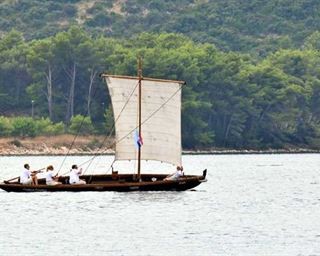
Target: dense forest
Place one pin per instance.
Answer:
(255, 26)
(251, 67)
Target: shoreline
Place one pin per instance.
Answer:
(186, 152)
(60, 145)
(252, 152)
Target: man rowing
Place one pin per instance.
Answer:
(51, 178)
(28, 177)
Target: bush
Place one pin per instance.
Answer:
(5, 126)
(46, 127)
(81, 125)
(93, 144)
(16, 142)
(42, 124)
(69, 10)
(109, 125)
(24, 126)
(54, 129)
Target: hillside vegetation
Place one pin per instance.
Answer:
(255, 26)
(252, 67)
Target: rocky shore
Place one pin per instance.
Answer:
(55, 145)
(251, 151)
(95, 145)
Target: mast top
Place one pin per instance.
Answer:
(139, 68)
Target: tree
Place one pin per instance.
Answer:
(41, 64)
(81, 125)
(13, 73)
(313, 41)
(68, 48)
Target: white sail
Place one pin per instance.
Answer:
(161, 118)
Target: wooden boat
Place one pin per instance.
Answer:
(112, 182)
(141, 106)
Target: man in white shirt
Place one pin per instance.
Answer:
(175, 176)
(27, 177)
(51, 179)
(74, 176)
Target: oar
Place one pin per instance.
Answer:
(37, 171)
(8, 181)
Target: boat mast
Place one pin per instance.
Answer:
(139, 118)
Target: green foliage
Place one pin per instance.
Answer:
(256, 26)
(13, 74)
(54, 129)
(28, 127)
(24, 127)
(81, 125)
(5, 126)
(313, 41)
(231, 99)
(109, 121)
(46, 127)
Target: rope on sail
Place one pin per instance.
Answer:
(78, 132)
(144, 121)
(106, 137)
(113, 127)
(74, 139)
(76, 136)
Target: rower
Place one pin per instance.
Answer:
(74, 176)
(51, 179)
(28, 177)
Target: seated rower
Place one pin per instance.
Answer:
(28, 177)
(175, 176)
(74, 175)
(51, 179)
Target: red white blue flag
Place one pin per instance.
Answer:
(137, 139)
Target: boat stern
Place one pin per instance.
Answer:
(204, 174)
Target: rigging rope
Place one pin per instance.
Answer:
(109, 135)
(78, 132)
(144, 121)
(113, 127)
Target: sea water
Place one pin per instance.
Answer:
(250, 205)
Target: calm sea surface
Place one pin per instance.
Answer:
(251, 205)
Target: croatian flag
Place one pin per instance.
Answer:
(137, 139)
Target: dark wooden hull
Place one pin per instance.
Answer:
(120, 183)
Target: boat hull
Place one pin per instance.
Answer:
(122, 183)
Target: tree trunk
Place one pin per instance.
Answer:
(92, 77)
(70, 103)
(49, 91)
(227, 131)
